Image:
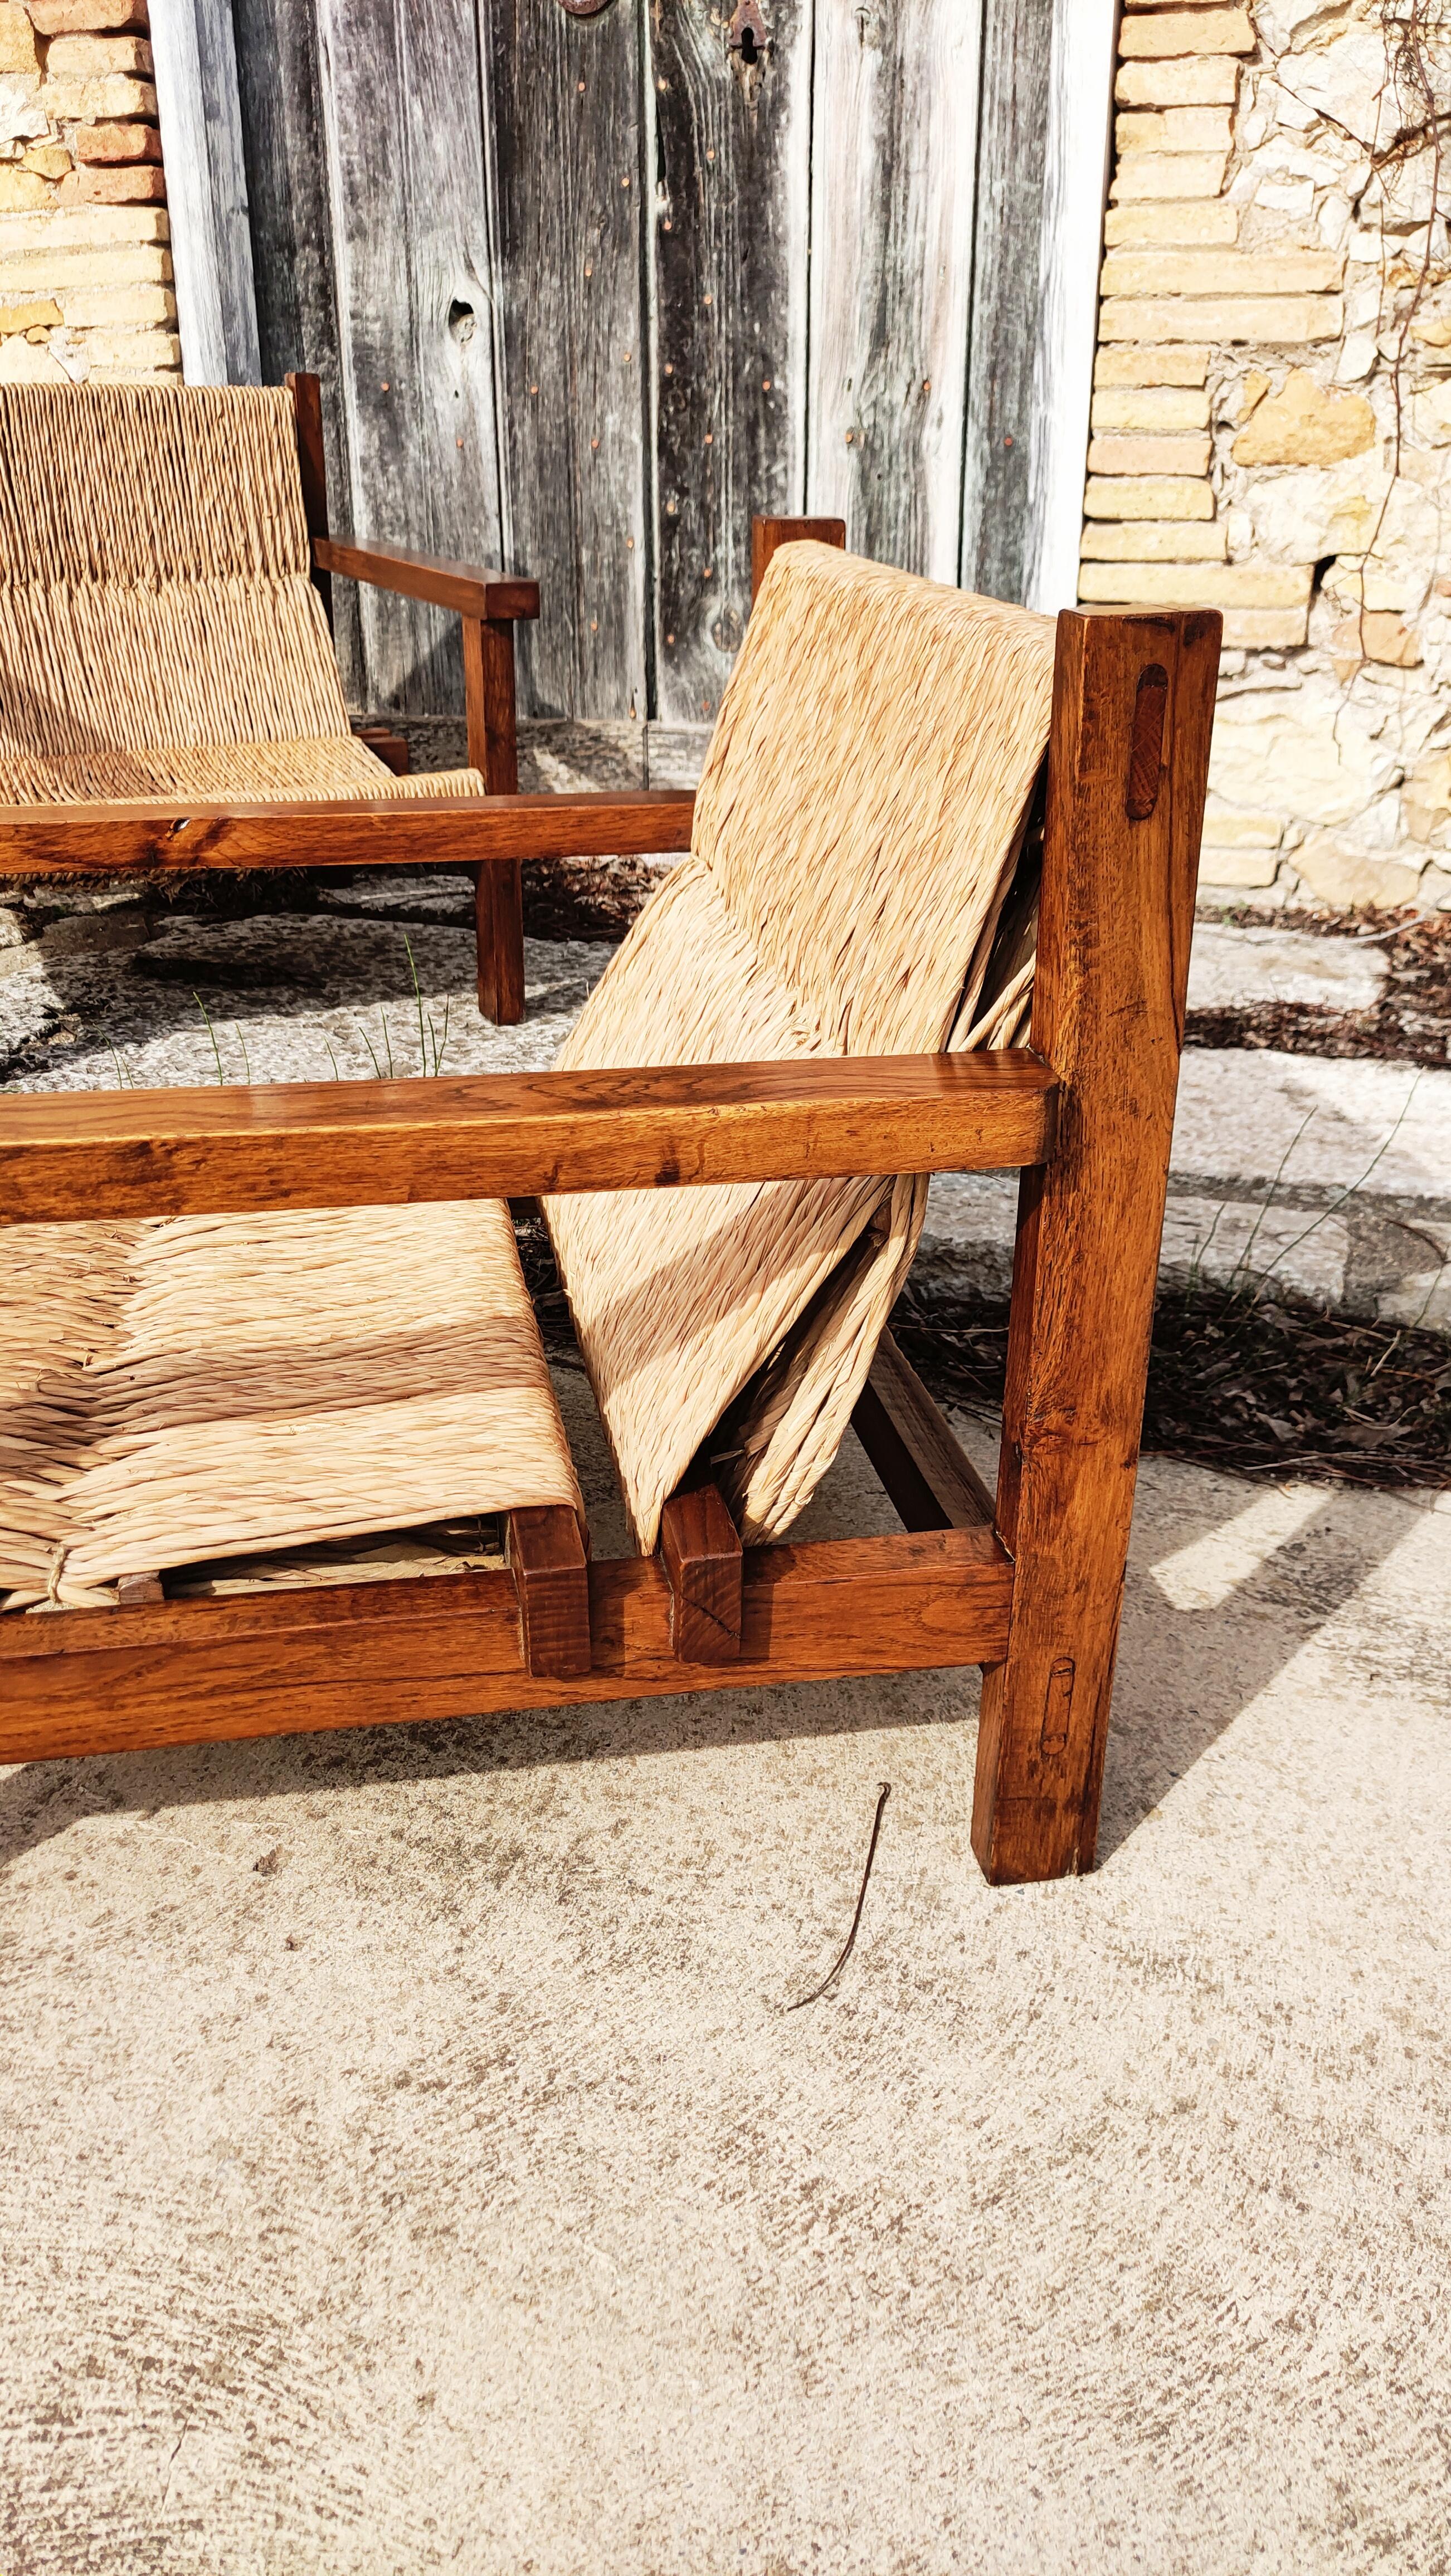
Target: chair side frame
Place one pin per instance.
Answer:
(1034, 1597)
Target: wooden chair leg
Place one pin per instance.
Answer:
(700, 1549)
(1121, 851)
(551, 1580)
(490, 700)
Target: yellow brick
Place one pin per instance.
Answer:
(1169, 174)
(116, 308)
(1228, 827)
(1173, 129)
(1152, 221)
(1255, 866)
(1279, 319)
(1221, 272)
(1168, 455)
(48, 160)
(20, 189)
(134, 352)
(1155, 541)
(1151, 366)
(40, 315)
(1205, 585)
(1147, 496)
(1265, 627)
(17, 42)
(93, 56)
(1194, 80)
(93, 102)
(64, 270)
(1154, 407)
(1187, 31)
(74, 227)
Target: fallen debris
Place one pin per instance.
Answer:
(850, 1942)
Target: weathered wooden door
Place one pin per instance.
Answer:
(590, 284)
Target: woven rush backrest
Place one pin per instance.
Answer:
(154, 583)
(875, 752)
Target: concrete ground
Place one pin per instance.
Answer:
(411, 2162)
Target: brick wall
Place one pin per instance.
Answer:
(1272, 422)
(85, 273)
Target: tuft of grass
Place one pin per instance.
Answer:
(211, 1033)
(429, 1039)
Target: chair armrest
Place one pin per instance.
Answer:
(381, 831)
(469, 588)
(74, 1154)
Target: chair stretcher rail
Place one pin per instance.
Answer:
(75, 1154)
(185, 1672)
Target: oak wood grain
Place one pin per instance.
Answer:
(546, 1557)
(700, 1549)
(928, 1478)
(111, 840)
(467, 587)
(188, 1672)
(79, 1154)
(1115, 922)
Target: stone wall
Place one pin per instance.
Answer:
(85, 272)
(1272, 420)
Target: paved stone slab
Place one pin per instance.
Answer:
(411, 2164)
(1232, 968)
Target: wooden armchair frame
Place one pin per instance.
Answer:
(1027, 1584)
(166, 836)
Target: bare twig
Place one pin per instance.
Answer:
(832, 1974)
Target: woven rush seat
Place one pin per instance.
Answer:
(160, 635)
(178, 1389)
(857, 828)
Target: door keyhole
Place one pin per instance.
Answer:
(748, 36)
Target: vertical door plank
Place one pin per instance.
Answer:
(565, 107)
(731, 209)
(411, 242)
(893, 147)
(280, 92)
(1007, 270)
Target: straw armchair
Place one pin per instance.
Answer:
(169, 698)
(1026, 1583)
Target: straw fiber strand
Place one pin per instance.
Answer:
(190, 1387)
(857, 827)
